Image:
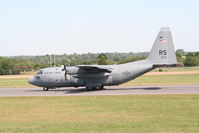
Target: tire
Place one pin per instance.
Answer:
(45, 88)
(88, 88)
(94, 88)
(102, 87)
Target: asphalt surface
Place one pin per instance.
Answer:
(116, 90)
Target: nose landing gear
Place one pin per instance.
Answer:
(45, 88)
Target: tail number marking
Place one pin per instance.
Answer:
(162, 52)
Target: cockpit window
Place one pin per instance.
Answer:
(40, 72)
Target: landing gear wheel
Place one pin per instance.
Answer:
(45, 88)
(94, 88)
(88, 88)
(102, 87)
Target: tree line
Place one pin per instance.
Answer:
(187, 58)
(16, 64)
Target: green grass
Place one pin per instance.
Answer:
(165, 80)
(22, 82)
(177, 69)
(107, 114)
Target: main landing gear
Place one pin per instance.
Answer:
(94, 88)
(45, 88)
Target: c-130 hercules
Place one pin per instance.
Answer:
(98, 76)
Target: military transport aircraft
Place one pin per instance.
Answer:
(98, 76)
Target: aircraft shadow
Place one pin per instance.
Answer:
(82, 90)
(136, 88)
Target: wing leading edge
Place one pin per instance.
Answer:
(94, 68)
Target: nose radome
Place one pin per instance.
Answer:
(31, 80)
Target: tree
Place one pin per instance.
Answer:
(131, 59)
(180, 52)
(191, 54)
(6, 66)
(102, 59)
(190, 61)
(197, 54)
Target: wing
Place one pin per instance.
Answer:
(94, 68)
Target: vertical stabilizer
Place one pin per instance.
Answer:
(162, 52)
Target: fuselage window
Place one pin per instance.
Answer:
(40, 72)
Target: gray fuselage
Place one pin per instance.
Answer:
(73, 77)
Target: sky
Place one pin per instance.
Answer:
(39, 27)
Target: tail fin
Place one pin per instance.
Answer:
(162, 52)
